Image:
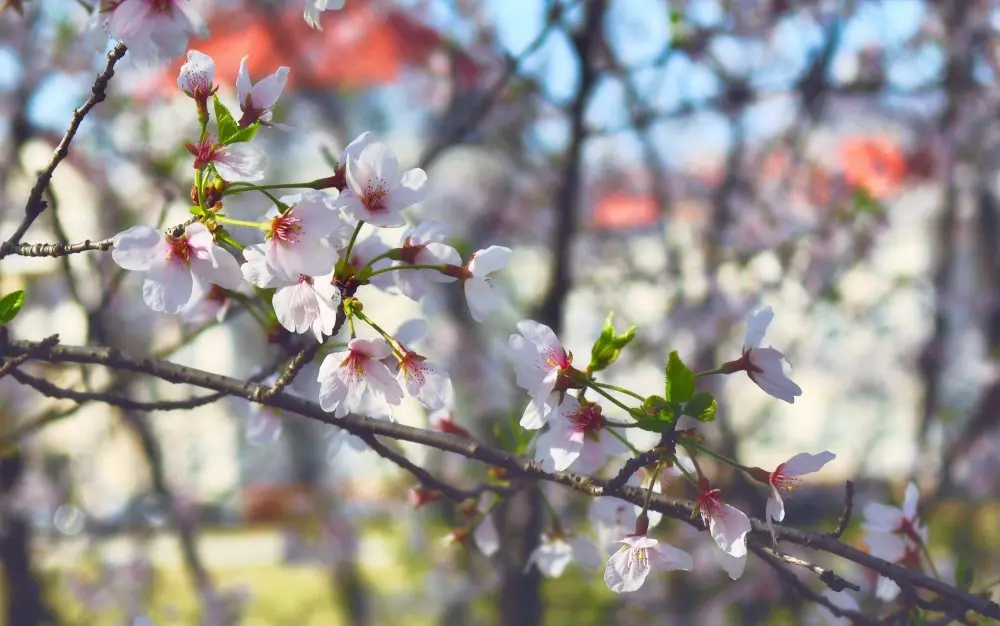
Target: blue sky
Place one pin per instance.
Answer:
(638, 29)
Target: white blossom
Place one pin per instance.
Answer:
(376, 191)
(256, 101)
(480, 294)
(765, 365)
(349, 378)
(175, 265)
(628, 568)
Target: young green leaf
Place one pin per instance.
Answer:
(679, 383)
(609, 345)
(701, 406)
(10, 306)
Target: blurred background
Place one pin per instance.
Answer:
(677, 162)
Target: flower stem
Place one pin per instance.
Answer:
(228, 220)
(396, 348)
(409, 266)
(619, 390)
(625, 441)
(251, 187)
(719, 457)
(610, 398)
(350, 244)
(718, 370)
(652, 482)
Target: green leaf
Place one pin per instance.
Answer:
(10, 306)
(679, 384)
(701, 406)
(609, 345)
(243, 134)
(654, 425)
(228, 128)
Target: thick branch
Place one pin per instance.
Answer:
(678, 509)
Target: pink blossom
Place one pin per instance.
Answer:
(154, 30)
(300, 302)
(728, 526)
(349, 378)
(539, 359)
(556, 551)
(175, 265)
(764, 365)
(577, 436)
(376, 192)
(197, 76)
(256, 101)
(235, 163)
(480, 294)
(786, 476)
(298, 238)
(628, 568)
(422, 245)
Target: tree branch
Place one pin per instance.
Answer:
(36, 205)
(683, 510)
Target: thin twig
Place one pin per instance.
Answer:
(803, 590)
(36, 205)
(845, 516)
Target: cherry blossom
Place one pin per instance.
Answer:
(422, 245)
(628, 568)
(611, 517)
(728, 526)
(315, 7)
(197, 76)
(348, 378)
(298, 239)
(376, 192)
(896, 535)
(764, 365)
(206, 306)
(786, 476)
(480, 294)
(420, 378)
(300, 302)
(556, 551)
(353, 150)
(154, 30)
(175, 265)
(256, 101)
(578, 436)
(235, 163)
(539, 360)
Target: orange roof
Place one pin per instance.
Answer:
(623, 211)
(358, 46)
(875, 164)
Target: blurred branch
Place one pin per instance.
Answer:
(36, 205)
(803, 590)
(845, 517)
(554, 13)
(682, 510)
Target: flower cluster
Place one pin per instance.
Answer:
(896, 535)
(576, 434)
(320, 246)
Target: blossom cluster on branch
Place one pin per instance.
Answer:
(324, 243)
